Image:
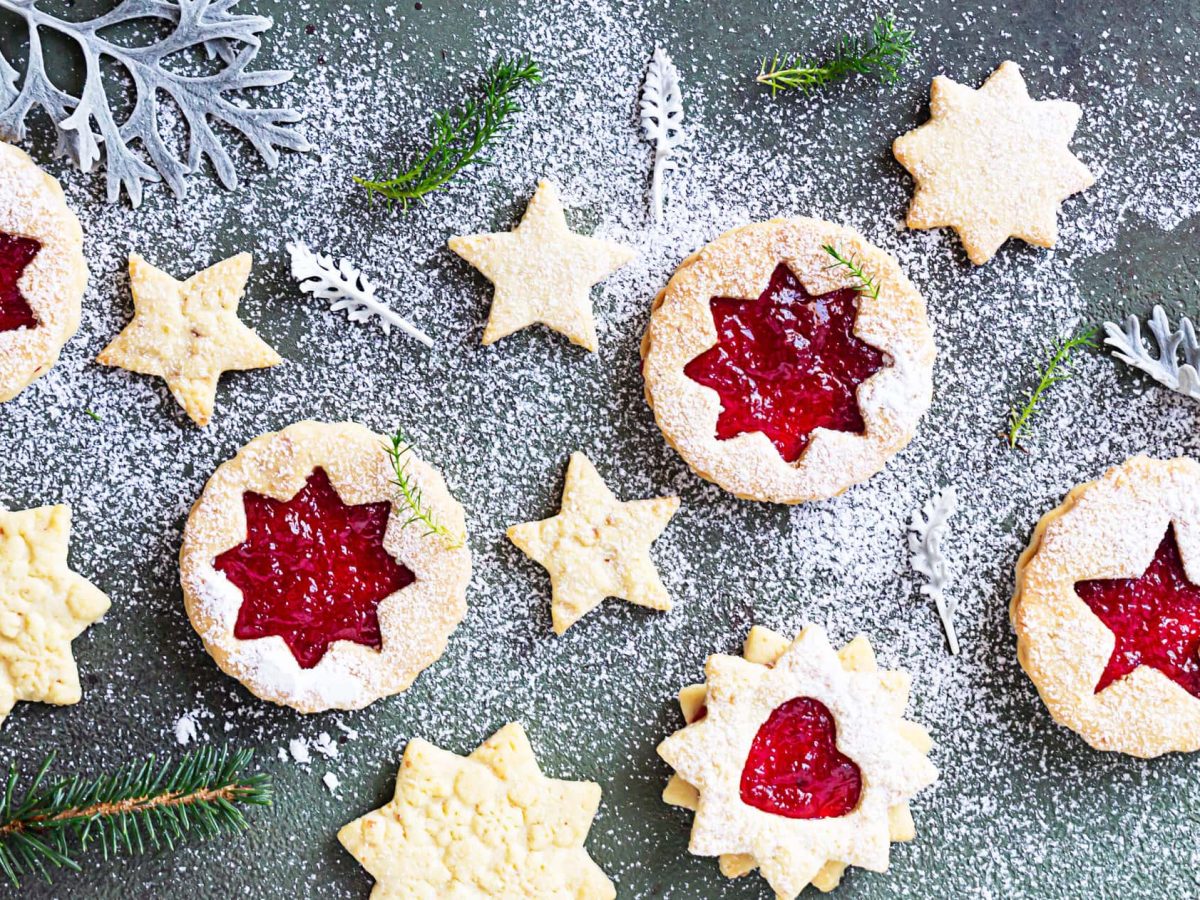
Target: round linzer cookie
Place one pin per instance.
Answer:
(788, 360)
(42, 271)
(1107, 608)
(325, 566)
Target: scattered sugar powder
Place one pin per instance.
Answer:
(298, 749)
(185, 729)
(1022, 808)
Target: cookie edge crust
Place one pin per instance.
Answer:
(57, 302)
(748, 465)
(1127, 719)
(287, 458)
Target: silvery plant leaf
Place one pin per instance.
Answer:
(662, 119)
(929, 526)
(87, 126)
(1162, 362)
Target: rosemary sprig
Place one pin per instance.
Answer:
(138, 807)
(410, 491)
(457, 136)
(867, 284)
(882, 53)
(1054, 371)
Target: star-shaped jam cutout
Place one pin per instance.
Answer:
(312, 570)
(15, 254)
(786, 363)
(1155, 619)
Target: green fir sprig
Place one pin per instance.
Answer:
(139, 807)
(1056, 369)
(881, 53)
(458, 136)
(867, 284)
(418, 510)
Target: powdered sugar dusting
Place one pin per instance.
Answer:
(1023, 807)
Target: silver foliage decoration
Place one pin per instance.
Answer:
(1165, 367)
(662, 119)
(347, 288)
(928, 527)
(87, 126)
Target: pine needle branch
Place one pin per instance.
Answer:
(1055, 370)
(458, 136)
(882, 53)
(867, 284)
(419, 512)
(139, 807)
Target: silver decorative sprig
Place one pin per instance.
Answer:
(87, 124)
(662, 119)
(1165, 367)
(929, 525)
(346, 288)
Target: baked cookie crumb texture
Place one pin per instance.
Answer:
(486, 825)
(797, 760)
(306, 576)
(780, 376)
(42, 271)
(1107, 608)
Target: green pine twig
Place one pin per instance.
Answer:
(882, 53)
(139, 807)
(1055, 370)
(867, 284)
(418, 511)
(458, 136)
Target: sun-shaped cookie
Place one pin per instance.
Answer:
(487, 825)
(43, 607)
(797, 760)
(992, 163)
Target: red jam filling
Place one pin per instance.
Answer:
(786, 363)
(795, 769)
(15, 254)
(312, 570)
(1155, 619)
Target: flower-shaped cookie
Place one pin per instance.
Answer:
(797, 760)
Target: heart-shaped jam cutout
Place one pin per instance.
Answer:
(15, 254)
(1155, 619)
(786, 363)
(795, 769)
(312, 570)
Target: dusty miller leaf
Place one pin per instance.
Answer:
(86, 126)
(929, 525)
(1165, 368)
(662, 119)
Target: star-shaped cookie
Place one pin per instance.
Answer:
(43, 606)
(992, 163)
(188, 332)
(543, 272)
(487, 825)
(597, 546)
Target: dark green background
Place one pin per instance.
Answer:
(1023, 808)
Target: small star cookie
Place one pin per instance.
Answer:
(43, 607)
(597, 546)
(188, 332)
(487, 825)
(992, 163)
(752, 763)
(542, 271)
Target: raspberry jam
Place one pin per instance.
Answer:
(795, 769)
(786, 363)
(312, 570)
(15, 254)
(1155, 619)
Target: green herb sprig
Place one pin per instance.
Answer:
(1056, 369)
(867, 284)
(139, 807)
(418, 511)
(458, 136)
(882, 53)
